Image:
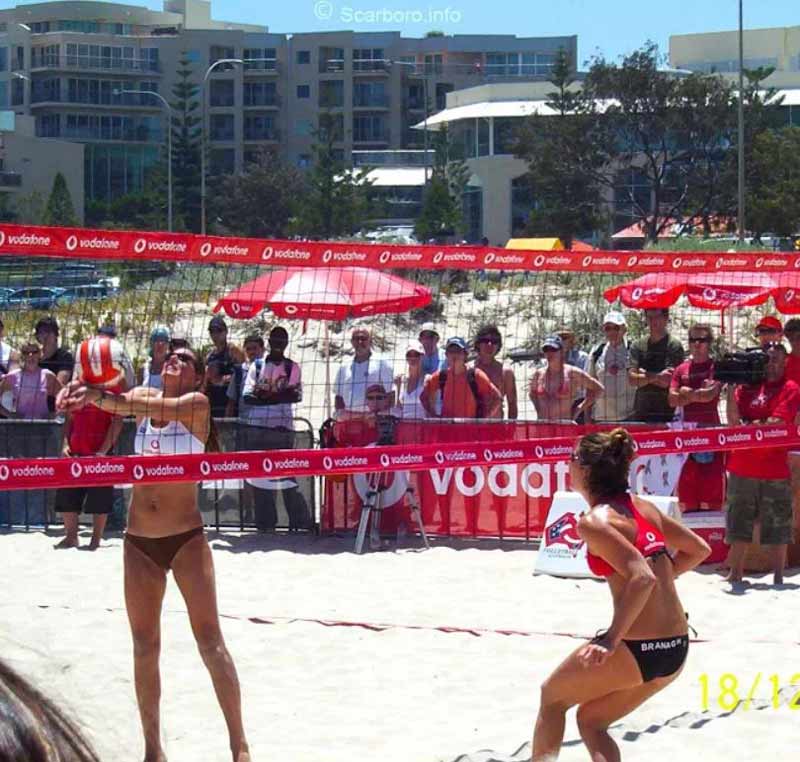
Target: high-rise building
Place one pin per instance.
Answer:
(69, 63)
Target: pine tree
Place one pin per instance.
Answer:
(59, 209)
(186, 146)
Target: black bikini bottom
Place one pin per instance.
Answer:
(161, 550)
(660, 657)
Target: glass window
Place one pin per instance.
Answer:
(259, 127)
(331, 93)
(222, 127)
(504, 134)
(472, 206)
(303, 127)
(221, 92)
(4, 95)
(259, 58)
(303, 91)
(304, 160)
(484, 126)
(3, 59)
(303, 56)
(223, 161)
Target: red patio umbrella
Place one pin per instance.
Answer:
(302, 293)
(711, 291)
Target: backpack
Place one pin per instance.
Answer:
(473, 385)
(597, 352)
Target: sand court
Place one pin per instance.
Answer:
(314, 691)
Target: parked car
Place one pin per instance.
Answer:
(93, 292)
(34, 298)
(4, 294)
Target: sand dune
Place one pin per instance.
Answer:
(406, 693)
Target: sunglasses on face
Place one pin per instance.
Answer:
(699, 340)
(488, 340)
(764, 331)
(550, 350)
(611, 328)
(426, 335)
(376, 397)
(360, 339)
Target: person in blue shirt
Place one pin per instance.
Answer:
(433, 359)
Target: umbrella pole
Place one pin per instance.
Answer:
(327, 369)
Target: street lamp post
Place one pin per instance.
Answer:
(740, 214)
(204, 96)
(169, 144)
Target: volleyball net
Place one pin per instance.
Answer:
(383, 303)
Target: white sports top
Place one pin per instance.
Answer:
(172, 439)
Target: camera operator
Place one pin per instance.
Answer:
(695, 393)
(758, 479)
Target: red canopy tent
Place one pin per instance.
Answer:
(304, 293)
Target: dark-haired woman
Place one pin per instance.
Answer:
(165, 531)
(488, 343)
(33, 728)
(645, 647)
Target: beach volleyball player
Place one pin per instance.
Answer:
(646, 645)
(165, 532)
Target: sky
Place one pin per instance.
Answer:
(609, 27)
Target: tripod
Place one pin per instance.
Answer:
(372, 508)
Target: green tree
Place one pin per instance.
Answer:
(567, 153)
(140, 210)
(59, 210)
(262, 201)
(7, 210)
(337, 201)
(30, 208)
(186, 146)
(442, 215)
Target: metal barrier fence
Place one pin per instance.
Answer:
(223, 502)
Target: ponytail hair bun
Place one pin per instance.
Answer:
(621, 445)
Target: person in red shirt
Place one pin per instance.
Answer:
(694, 392)
(758, 479)
(769, 330)
(465, 393)
(792, 332)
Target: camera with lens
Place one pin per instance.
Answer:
(747, 366)
(387, 428)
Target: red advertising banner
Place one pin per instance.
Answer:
(32, 240)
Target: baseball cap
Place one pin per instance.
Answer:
(770, 321)
(414, 346)
(553, 342)
(159, 334)
(217, 322)
(107, 330)
(614, 317)
(456, 341)
(428, 328)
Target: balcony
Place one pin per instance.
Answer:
(331, 66)
(271, 100)
(371, 101)
(221, 101)
(371, 137)
(371, 66)
(270, 135)
(140, 134)
(96, 63)
(269, 66)
(401, 158)
(10, 179)
(222, 135)
(414, 104)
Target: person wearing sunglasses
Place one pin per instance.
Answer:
(488, 343)
(165, 533)
(608, 363)
(220, 364)
(768, 330)
(31, 389)
(695, 394)
(645, 647)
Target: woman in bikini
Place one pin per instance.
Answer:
(165, 531)
(646, 645)
(554, 388)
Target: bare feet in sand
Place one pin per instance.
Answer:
(67, 542)
(243, 754)
(157, 757)
(93, 545)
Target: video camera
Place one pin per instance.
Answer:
(387, 428)
(746, 366)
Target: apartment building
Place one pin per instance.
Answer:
(76, 67)
(778, 48)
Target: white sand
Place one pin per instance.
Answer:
(334, 693)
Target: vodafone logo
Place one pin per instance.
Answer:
(587, 261)
(138, 472)
(140, 245)
(635, 445)
(796, 261)
(710, 294)
(205, 467)
(72, 243)
(384, 257)
(76, 470)
(489, 258)
(205, 249)
(2, 237)
(679, 443)
(327, 256)
(266, 254)
(760, 262)
(676, 263)
(650, 537)
(236, 308)
(4, 473)
(291, 309)
(637, 293)
(759, 435)
(266, 464)
(790, 294)
(539, 451)
(327, 463)
(632, 261)
(722, 439)
(439, 456)
(487, 456)
(438, 257)
(538, 260)
(385, 460)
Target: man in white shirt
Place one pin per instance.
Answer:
(354, 378)
(608, 363)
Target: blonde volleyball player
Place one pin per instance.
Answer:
(165, 532)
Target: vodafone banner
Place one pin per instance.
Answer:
(493, 444)
(31, 240)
